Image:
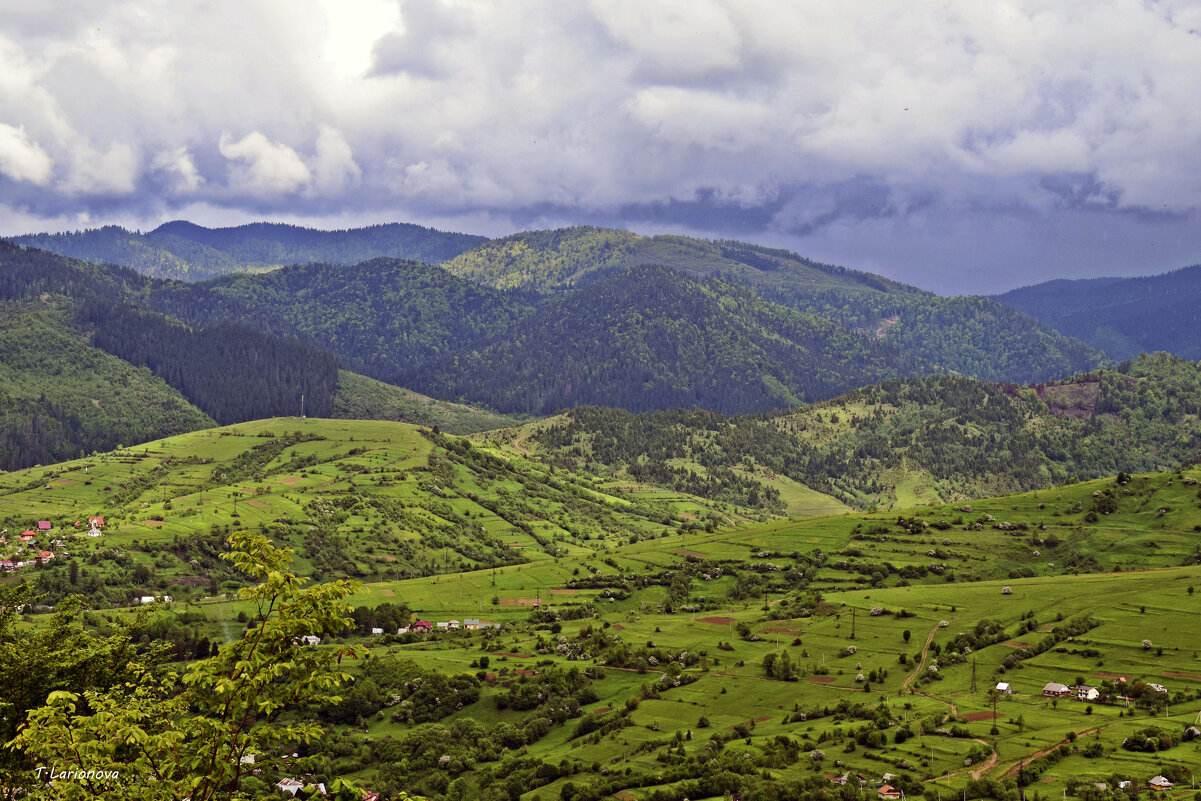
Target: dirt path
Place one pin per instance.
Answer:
(988, 763)
(1026, 760)
(921, 665)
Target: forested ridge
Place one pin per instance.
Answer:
(962, 437)
(383, 317)
(651, 338)
(85, 368)
(970, 335)
(192, 252)
(1123, 316)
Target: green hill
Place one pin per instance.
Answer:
(187, 251)
(86, 367)
(634, 651)
(61, 397)
(973, 336)
(651, 338)
(361, 398)
(905, 442)
(383, 317)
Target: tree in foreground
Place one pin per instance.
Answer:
(162, 734)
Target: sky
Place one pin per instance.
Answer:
(959, 146)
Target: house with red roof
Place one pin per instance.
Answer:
(44, 525)
(96, 522)
(28, 535)
(45, 556)
(422, 627)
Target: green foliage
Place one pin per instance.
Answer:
(165, 735)
(60, 397)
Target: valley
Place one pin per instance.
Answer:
(650, 644)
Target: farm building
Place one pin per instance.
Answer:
(1003, 687)
(1054, 689)
(1159, 688)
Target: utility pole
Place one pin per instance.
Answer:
(973, 689)
(852, 622)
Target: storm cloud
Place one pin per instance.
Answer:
(962, 147)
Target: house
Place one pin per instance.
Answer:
(1086, 693)
(454, 624)
(1054, 689)
(421, 627)
(1159, 688)
(1122, 785)
(310, 639)
(96, 522)
(290, 786)
(6, 565)
(1159, 783)
(45, 556)
(888, 792)
(403, 630)
(1004, 688)
(146, 599)
(377, 630)
(27, 536)
(471, 623)
(443, 625)
(43, 525)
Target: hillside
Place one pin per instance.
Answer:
(61, 397)
(633, 650)
(651, 338)
(973, 336)
(904, 442)
(1122, 316)
(85, 367)
(191, 252)
(361, 398)
(384, 317)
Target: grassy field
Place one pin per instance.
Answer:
(896, 627)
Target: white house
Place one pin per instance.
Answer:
(147, 599)
(1086, 693)
(377, 630)
(1003, 687)
(310, 639)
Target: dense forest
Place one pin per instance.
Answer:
(60, 397)
(974, 336)
(192, 252)
(383, 317)
(963, 437)
(1122, 316)
(651, 338)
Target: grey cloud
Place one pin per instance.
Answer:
(816, 125)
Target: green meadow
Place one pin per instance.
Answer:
(695, 643)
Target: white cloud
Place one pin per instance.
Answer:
(334, 167)
(93, 172)
(178, 163)
(497, 110)
(263, 167)
(21, 158)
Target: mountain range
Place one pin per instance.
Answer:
(1122, 316)
(546, 321)
(191, 252)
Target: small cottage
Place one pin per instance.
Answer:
(1054, 689)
